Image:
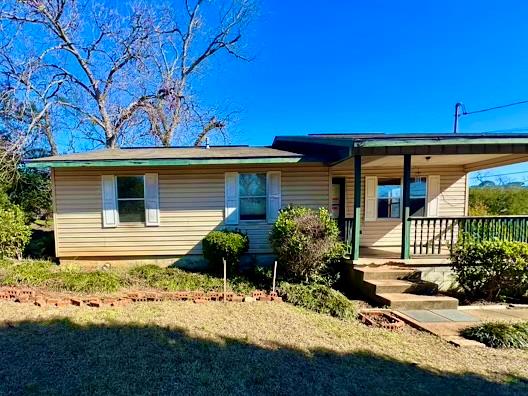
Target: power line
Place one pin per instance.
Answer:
(464, 112)
(503, 174)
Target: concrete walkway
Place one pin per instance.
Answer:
(447, 323)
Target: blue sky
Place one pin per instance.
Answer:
(376, 66)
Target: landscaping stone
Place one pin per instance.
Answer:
(249, 299)
(200, 300)
(237, 298)
(76, 301)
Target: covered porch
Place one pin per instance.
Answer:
(406, 197)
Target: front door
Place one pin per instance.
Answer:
(338, 202)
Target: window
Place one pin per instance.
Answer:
(390, 197)
(418, 196)
(131, 199)
(252, 190)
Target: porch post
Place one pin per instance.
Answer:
(356, 230)
(406, 225)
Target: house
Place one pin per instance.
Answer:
(394, 196)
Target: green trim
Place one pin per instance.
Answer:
(356, 228)
(406, 224)
(162, 162)
(436, 142)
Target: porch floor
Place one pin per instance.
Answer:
(389, 254)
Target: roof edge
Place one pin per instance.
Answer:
(165, 162)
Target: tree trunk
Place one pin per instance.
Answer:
(111, 142)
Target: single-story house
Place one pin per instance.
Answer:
(394, 196)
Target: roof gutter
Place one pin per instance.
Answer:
(161, 162)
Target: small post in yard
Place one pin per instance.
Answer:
(356, 225)
(406, 224)
(225, 278)
(274, 274)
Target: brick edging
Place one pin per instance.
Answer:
(40, 298)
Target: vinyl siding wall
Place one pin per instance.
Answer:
(191, 205)
(387, 232)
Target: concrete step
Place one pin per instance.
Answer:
(377, 286)
(415, 301)
(383, 272)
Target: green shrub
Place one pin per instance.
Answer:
(227, 244)
(319, 298)
(174, 279)
(28, 273)
(307, 244)
(86, 282)
(32, 193)
(491, 270)
(487, 201)
(14, 233)
(499, 335)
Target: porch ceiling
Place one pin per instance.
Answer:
(470, 162)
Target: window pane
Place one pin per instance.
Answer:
(417, 206)
(418, 196)
(252, 184)
(131, 211)
(336, 200)
(418, 187)
(252, 208)
(389, 198)
(130, 187)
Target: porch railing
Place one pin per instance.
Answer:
(436, 235)
(347, 228)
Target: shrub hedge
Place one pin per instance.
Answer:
(319, 298)
(307, 244)
(492, 270)
(499, 335)
(14, 232)
(227, 244)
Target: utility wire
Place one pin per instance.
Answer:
(464, 112)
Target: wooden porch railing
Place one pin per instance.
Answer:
(436, 235)
(347, 228)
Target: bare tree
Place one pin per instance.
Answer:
(114, 77)
(179, 58)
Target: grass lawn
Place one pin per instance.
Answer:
(185, 348)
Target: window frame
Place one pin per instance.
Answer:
(399, 219)
(265, 197)
(144, 199)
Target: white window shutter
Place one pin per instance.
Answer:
(274, 196)
(152, 213)
(371, 198)
(231, 213)
(108, 190)
(433, 194)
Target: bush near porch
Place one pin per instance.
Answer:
(492, 270)
(307, 245)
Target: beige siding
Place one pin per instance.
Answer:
(191, 205)
(452, 200)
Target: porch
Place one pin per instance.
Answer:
(405, 197)
(432, 238)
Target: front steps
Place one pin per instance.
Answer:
(394, 286)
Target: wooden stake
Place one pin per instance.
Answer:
(225, 278)
(274, 274)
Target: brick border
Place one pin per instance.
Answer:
(40, 298)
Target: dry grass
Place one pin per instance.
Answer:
(185, 348)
